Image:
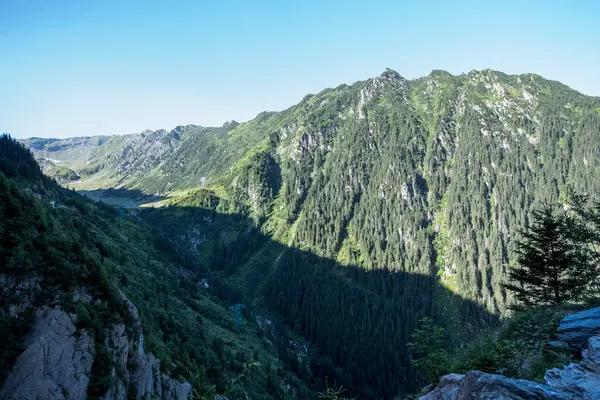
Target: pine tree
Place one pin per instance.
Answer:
(551, 267)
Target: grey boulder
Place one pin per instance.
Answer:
(579, 380)
(575, 330)
(480, 385)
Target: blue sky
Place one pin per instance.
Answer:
(102, 67)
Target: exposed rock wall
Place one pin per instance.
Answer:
(574, 331)
(579, 380)
(480, 385)
(57, 361)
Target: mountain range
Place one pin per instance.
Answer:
(342, 220)
(420, 175)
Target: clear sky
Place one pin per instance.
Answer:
(102, 67)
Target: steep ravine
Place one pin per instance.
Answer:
(92, 298)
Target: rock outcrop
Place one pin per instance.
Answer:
(56, 363)
(575, 381)
(579, 380)
(575, 330)
(137, 374)
(480, 385)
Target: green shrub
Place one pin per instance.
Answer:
(428, 354)
(519, 348)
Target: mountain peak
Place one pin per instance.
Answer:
(230, 124)
(391, 74)
(440, 72)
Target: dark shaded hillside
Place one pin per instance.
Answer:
(17, 162)
(359, 321)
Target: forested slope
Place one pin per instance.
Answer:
(90, 296)
(182, 267)
(358, 321)
(424, 176)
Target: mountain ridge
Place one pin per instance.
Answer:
(342, 85)
(408, 148)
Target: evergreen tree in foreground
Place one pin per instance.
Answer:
(552, 268)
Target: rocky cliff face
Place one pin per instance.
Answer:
(57, 359)
(56, 362)
(151, 161)
(135, 373)
(578, 380)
